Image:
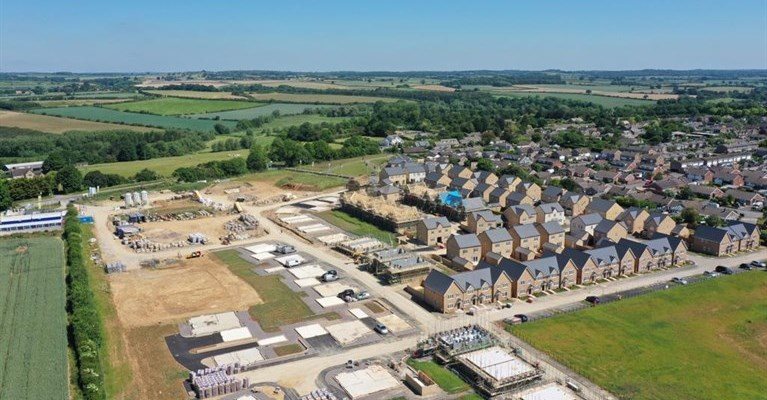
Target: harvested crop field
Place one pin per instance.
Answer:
(155, 373)
(269, 109)
(193, 94)
(180, 106)
(44, 123)
(163, 166)
(193, 287)
(438, 88)
(33, 338)
(102, 114)
(319, 98)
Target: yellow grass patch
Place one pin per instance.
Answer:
(46, 123)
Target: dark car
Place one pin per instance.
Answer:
(723, 270)
(593, 299)
(522, 317)
(346, 293)
(746, 267)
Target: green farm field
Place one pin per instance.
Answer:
(33, 320)
(163, 166)
(102, 114)
(703, 341)
(181, 106)
(318, 98)
(250, 113)
(194, 94)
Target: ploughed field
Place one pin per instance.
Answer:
(33, 321)
(703, 341)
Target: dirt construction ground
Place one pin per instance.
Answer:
(193, 287)
(175, 231)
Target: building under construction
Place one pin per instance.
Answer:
(398, 265)
(476, 355)
(387, 215)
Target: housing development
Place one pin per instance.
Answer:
(258, 233)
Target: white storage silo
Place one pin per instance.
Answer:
(128, 200)
(137, 198)
(145, 197)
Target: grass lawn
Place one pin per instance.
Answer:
(702, 341)
(194, 94)
(358, 166)
(181, 106)
(288, 349)
(163, 166)
(281, 306)
(292, 180)
(293, 120)
(448, 381)
(113, 353)
(472, 396)
(357, 226)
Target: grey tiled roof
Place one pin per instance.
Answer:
(474, 204)
(486, 215)
(605, 225)
(526, 231)
(435, 222)
(497, 235)
(552, 227)
(467, 240)
(600, 205)
(520, 209)
(604, 255)
(549, 208)
(589, 219)
(437, 281)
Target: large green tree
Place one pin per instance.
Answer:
(258, 159)
(5, 196)
(69, 179)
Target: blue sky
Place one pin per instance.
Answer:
(167, 35)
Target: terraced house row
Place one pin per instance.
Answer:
(498, 278)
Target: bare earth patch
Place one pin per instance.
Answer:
(199, 286)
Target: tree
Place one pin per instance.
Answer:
(146, 175)
(690, 216)
(685, 193)
(5, 196)
(221, 129)
(485, 164)
(69, 179)
(257, 159)
(54, 162)
(714, 220)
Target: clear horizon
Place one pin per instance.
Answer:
(396, 36)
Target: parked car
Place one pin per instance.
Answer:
(679, 280)
(758, 264)
(346, 293)
(350, 364)
(522, 317)
(723, 270)
(285, 249)
(330, 276)
(745, 266)
(363, 295)
(711, 274)
(593, 299)
(381, 328)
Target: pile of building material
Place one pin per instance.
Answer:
(114, 267)
(241, 228)
(213, 382)
(178, 216)
(320, 394)
(197, 238)
(147, 246)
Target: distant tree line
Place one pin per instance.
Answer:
(99, 147)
